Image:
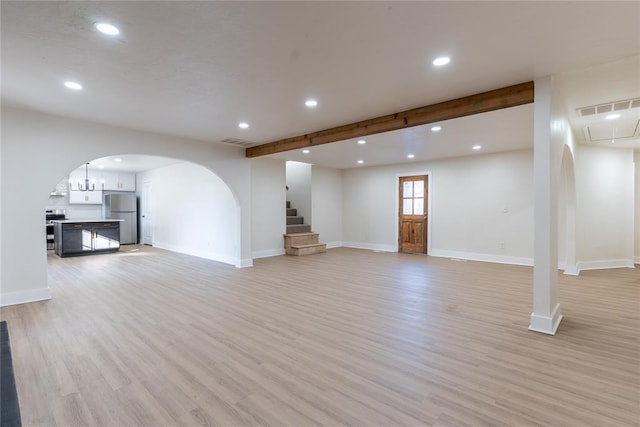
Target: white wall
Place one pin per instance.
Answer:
(605, 205)
(326, 195)
(299, 192)
(636, 162)
(74, 211)
(193, 212)
(268, 201)
(52, 146)
(481, 206)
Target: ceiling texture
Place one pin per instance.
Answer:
(197, 69)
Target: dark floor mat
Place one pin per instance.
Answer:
(10, 409)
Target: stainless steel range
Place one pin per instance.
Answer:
(52, 215)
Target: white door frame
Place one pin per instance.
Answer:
(145, 210)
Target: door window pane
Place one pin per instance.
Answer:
(418, 206)
(418, 188)
(407, 189)
(407, 206)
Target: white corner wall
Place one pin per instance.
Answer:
(268, 199)
(193, 212)
(326, 195)
(299, 192)
(481, 206)
(605, 207)
(51, 147)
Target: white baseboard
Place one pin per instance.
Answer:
(473, 256)
(332, 245)
(23, 297)
(637, 260)
(244, 263)
(571, 270)
(604, 264)
(213, 256)
(267, 253)
(370, 246)
(546, 324)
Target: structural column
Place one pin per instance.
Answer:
(546, 314)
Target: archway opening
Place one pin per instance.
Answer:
(191, 209)
(567, 214)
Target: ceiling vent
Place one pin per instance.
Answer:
(609, 132)
(237, 142)
(609, 107)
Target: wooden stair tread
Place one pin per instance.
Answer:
(311, 245)
(304, 233)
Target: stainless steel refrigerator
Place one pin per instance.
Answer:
(125, 207)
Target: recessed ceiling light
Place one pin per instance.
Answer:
(477, 147)
(117, 159)
(410, 156)
(436, 128)
(305, 151)
(362, 141)
(243, 125)
(107, 29)
(443, 60)
(612, 116)
(311, 103)
(73, 85)
(360, 162)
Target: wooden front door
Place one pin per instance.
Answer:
(412, 230)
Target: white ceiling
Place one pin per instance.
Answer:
(196, 69)
(457, 138)
(130, 163)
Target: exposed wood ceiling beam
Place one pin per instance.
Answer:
(505, 97)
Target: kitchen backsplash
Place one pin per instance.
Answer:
(74, 211)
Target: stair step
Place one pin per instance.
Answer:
(300, 239)
(298, 228)
(288, 204)
(292, 212)
(291, 220)
(300, 250)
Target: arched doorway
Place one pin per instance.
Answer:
(567, 214)
(194, 211)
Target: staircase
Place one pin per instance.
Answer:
(300, 240)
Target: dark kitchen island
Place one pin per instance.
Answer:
(86, 237)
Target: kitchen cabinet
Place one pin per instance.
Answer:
(85, 197)
(119, 181)
(75, 238)
(127, 181)
(78, 177)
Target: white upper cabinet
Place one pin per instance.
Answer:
(85, 197)
(100, 180)
(127, 181)
(119, 181)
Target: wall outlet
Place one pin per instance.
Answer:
(500, 245)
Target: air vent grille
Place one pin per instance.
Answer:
(621, 106)
(609, 106)
(238, 142)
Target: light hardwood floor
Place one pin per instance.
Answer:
(349, 337)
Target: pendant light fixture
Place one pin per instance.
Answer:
(86, 186)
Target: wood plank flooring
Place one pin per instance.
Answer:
(147, 337)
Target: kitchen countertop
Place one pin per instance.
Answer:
(71, 221)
